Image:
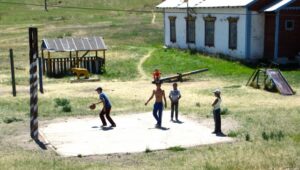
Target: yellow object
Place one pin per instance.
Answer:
(81, 72)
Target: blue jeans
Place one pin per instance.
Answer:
(158, 107)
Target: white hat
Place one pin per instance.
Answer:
(217, 91)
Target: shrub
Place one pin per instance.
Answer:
(176, 149)
(247, 137)
(224, 111)
(148, 150)
(11, 120)
(232, 134)
(61, 102)
(66, 108)
(277, 135)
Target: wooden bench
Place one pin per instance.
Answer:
(81, 72)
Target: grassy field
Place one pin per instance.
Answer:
(267, 135)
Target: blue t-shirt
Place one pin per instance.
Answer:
(103, 97)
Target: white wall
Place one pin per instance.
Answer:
(221, 31)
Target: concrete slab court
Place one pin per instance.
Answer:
(134, 133)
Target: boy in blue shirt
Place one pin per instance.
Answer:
(106, 108)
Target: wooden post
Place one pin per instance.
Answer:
(46, 6)
(41, 75)
(104, 57)
(43, 62)
(77, 60)
(12, 67)
(33, 55)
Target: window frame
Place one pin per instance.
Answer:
(188, 21)
(209, 19)
(172, 20)
(232, 20)
(286, 25)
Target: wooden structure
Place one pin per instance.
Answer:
(83, 53)
(282, 29)
(179, 76)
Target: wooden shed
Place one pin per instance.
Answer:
(60, 55)
(282, 29)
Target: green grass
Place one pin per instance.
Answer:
(129, 37)
(172, 61)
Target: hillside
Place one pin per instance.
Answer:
(123, 28)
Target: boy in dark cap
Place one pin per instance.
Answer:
(106, 108)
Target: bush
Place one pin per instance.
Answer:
(148, 150)
(64, 104)
(66, 108)
(61, 102)
(277, 135)
(224, 111)
(232, 134)
(176, 149)
(247, 137)
(11, 120)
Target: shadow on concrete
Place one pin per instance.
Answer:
(106, 128)
(163, 128)
(40, 144)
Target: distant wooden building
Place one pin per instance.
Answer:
(84, 52)
(244, 29)
(282, 29)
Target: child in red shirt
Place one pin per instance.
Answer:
(156, 75)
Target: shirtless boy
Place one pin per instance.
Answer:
(158, 105)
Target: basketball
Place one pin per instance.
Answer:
(92, 107)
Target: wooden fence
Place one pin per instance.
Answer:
(59, 67)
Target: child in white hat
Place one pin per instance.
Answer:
(217, 112)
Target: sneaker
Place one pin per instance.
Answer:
(221, 134)
(214, 132)
(114, 125)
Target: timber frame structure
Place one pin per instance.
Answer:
(83, 53)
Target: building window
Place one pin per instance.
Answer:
(232, 43)
(209, 31)
(190, 29)
(172, 29)
(289, 25)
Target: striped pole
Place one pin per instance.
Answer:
(33, 54)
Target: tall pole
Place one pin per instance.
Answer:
(33, 55)
(12, 67)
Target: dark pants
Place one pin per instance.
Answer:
(157, 112)
(174, 107)
(106, 113)
(217, 119)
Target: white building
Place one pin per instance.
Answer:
(230, 27)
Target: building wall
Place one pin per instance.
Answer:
(257, 35)
(221, 31)
(289, 41)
